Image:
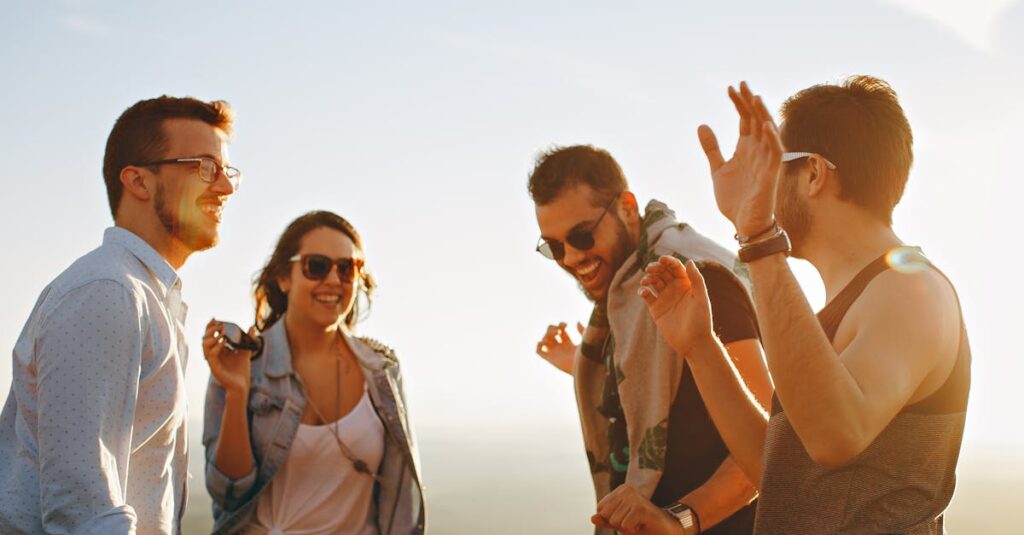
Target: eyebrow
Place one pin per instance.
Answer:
(574, 228)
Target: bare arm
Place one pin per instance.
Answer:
(838, 403)
(734, 384)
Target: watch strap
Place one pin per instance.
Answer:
(686, 517)
(779, 243)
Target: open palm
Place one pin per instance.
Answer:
(745, 184)
(678, 302)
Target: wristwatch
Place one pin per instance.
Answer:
(686, 517)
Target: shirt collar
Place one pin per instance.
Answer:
(146, 254)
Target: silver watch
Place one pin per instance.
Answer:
(685, 516)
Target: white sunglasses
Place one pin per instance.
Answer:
(790, 156)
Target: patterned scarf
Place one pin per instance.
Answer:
(625, 371)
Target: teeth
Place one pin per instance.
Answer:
(587, 269)
(327, 299)
(212, 209)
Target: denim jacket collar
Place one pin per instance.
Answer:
(279, 361)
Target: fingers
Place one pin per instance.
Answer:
(580, 328)
(771, 140)
(709, 143)
(696, 279)
(742, 108)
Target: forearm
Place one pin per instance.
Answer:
(820, 397)
(233, 455)
(726, 492)
(739, 417)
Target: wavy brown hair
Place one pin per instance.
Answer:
(272, 302)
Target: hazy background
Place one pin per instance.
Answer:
(420, 121)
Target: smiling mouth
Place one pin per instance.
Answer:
(587, 271)
(327, 299)
(213, 210)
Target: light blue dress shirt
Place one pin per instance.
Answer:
(92, 437)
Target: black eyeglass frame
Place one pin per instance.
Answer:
(580, 239)
(348, 268)
(214, 169)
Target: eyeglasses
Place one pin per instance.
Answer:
(790, 156)
(580, 239)
(316, 267)
(209, 169)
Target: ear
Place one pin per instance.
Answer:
(820, 178)
(284, 283)
(133, 179)
(630, 208)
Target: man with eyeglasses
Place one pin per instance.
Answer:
(871, 392)
(645, 428)
(93, 433)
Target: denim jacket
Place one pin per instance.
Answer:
(276, 405)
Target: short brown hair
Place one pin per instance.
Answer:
(859, 126)
(560, 168)
(138, 134)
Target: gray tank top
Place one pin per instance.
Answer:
(901, 483)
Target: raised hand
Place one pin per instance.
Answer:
(678, 301)
(628, 511)
(229, 368)
(745, 185)
(556, 347)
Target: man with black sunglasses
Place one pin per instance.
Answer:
(93, 434)
(646, 430)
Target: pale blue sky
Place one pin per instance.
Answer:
(419, 122)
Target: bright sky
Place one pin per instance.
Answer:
(419, 122)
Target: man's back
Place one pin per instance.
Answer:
(93, 429)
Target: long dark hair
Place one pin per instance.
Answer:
(271, 301)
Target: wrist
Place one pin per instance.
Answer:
(749, 231)
(685, 517)
(236, 393)
(702, 346)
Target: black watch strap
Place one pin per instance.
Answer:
(779, 243)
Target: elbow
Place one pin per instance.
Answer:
(837, 449)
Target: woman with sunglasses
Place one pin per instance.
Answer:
(309, 433)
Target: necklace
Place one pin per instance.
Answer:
(357, 463)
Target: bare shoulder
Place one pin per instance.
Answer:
(920, 298)
(909, 319)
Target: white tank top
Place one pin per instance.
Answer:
(317, 491)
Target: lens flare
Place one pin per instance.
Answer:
(907, 259)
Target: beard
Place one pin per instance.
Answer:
(621, 251)
(190, 233)
(792, 212)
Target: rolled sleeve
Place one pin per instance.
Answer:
(88, 362)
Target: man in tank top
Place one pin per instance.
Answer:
(870, 394)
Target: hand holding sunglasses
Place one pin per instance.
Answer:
(228, 350)
(316, 267)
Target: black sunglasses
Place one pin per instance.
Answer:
(580, 239)
(316, 267)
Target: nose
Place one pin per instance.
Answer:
(222, 184)
(572, 256)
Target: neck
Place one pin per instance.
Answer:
(840, 248)
(307, 338)
(154, 234)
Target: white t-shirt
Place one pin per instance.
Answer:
(318, 491)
